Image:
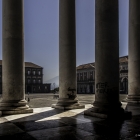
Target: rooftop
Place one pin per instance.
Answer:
(86, 66)
(91, 65)
(123, 59)
(28, 64)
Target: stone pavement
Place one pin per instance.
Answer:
(47, 123)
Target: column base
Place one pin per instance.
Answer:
(0, 113)
(132, 99)
(122, 115)
(67, 104)
(13, 112)
(106, 111)
(14, 107)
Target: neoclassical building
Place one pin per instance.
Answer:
(86, 76)
(123, 75)
(33, 79)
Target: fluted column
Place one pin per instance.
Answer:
(67, 57)
(106, 102)
(134, 52)
(13, 75)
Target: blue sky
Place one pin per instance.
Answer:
(41, 32)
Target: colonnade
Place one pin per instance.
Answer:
(106, 102)
(13, 84)
(134, 52)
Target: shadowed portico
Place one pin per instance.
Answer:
(107, 53)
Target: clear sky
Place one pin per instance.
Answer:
(41, 19)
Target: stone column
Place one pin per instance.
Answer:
(106, 104)
(134, 52)
(13, 75)
(67, 57)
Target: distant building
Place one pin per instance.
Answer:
(86, 77)
(33, 79)
(124, 74)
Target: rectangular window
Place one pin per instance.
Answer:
(29, 72)
(91, 75)
(39, 73)
(33, 88)
(29, 81)
(77, 76)
(34, 81)
(85, 76)
(34, 72)
(81, 76)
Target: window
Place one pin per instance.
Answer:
(34, 72)
(78, 76)
(34, 81)
(91, 75)
(81, 76)
(34, 88)
(39, 72)
(28, 81)
(85, 75)
(29, 72)
(39, 81)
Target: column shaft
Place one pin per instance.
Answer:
(134, 52)
(67, 47)
(106, 102)
(13, 84)
(67, 56)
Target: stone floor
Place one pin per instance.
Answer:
(47, 123)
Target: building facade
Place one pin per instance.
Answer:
(86, 77)
(33, 79)
(124, 74)
(0, 77)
